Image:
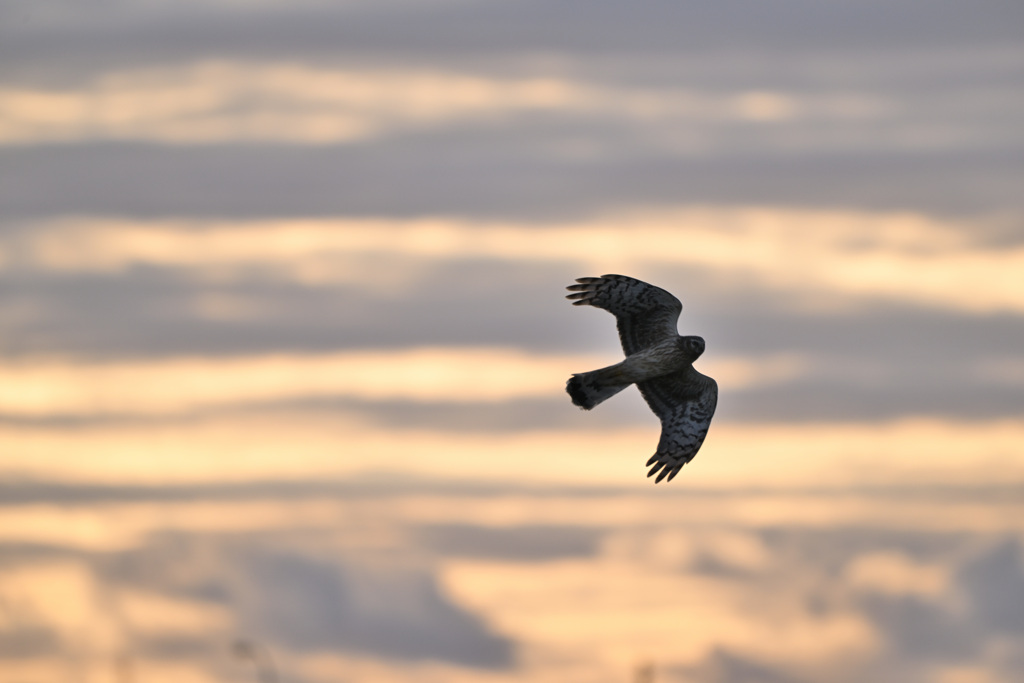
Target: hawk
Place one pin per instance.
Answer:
(658, 360)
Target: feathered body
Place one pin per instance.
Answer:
(658, 360)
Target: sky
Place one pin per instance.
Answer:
(283, 340)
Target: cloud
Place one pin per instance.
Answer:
(994, 584)
(718, 552)
(1005, 370)
(794, 355)
(46, 602)
(219, 102)
(902, 256)
(894, 573)
(295, 103)
(886, 584)
(305, 603)
(21, 641)
(185, 323)
(521, 543)
(184, 385)
(289, 445)
(535, 28)
(723, 666)
(190, 384)
(515, 172)
(629, 612)
(180, 597)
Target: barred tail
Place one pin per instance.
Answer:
(587, 389)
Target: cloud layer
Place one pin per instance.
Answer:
(899, 585)
(284, 345)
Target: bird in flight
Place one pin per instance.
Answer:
(658, 360)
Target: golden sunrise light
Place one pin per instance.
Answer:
(63, 387)
(285, 344)
(892, 255)
(218, 101)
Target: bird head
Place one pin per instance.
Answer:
(692, 346)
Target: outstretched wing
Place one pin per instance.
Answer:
(644, 314)
(685, 402)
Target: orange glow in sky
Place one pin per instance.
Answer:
(284, 342)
